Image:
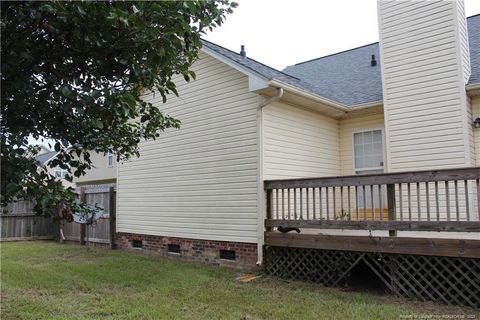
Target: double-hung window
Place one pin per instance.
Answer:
(368, 159)
(368, 151)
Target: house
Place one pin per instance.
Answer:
(43, 157)
(407, 103)
(103, 171)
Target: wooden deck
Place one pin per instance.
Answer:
(421, 213)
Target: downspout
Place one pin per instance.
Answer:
(273, 99)
(261, 193)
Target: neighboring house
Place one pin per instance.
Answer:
(406, 104)
(44, 157)
(103, 171)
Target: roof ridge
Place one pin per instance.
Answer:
(263, 64)
(333, 54)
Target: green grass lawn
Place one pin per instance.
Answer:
(46, 280)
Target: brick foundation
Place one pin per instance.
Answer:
(204, 251)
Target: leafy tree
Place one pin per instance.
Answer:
(75, 73)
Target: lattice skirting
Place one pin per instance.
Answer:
(444, 279)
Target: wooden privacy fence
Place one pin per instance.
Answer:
(19, 222)
(103, 230)
(16, 227)
(440, 200)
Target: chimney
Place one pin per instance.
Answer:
(425, 103)
(242, 51)
(373, 62)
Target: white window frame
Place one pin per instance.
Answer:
(110, 156)
(63, 173)
(367, 170)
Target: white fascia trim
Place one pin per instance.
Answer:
(373, 104)
(473, 89)
(308, 95)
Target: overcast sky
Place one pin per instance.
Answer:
(281, 33)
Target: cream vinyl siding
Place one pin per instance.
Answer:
(200, 181)
(476, 132)
(347, 128)
(463, 39)
(423, 84)
(298, 143)
(100, 172)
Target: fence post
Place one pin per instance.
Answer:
(113, 218)
(82, 226)
(269, 207)
(391, 207)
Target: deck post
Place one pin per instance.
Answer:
(82, 226)
(269, 207)
(391, 207)
(112, 218)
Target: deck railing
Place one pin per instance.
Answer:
(439, 200)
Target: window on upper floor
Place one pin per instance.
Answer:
(59, 173)
(110, 159)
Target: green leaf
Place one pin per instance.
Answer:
(97, 123)
(11, 187)
(81, 11)
(66, 91)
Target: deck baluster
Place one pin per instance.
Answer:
(447, 199)
(301, 203)
(295, 203)
(314, 204)
(409, 198)
(334, 204)
(308, 204)
(342, 213)
(288, 204)
(356, 203)
(457, 200)
(427, 194)
(419, 202)
(276, 204)
(320, 202)
(380, 209)
(349, 205)
(437, 201)
(400, 192)
(364, 202)
(326, 199)
(467, 200)
(478, 196)
(373, 205)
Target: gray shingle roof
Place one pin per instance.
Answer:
(473, 26)
(345, 77)
(45, 157)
